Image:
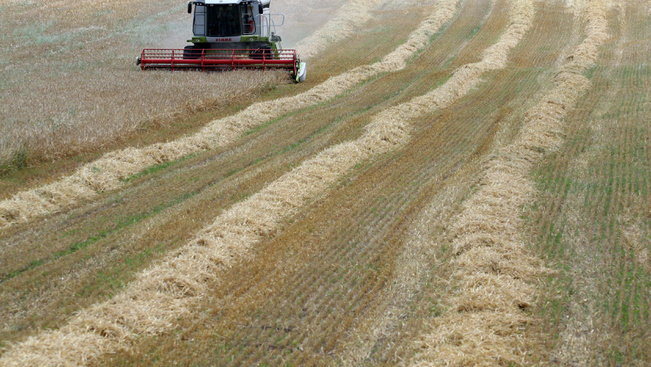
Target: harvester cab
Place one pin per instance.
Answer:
(229, 34)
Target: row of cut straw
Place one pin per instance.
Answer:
(494, 270)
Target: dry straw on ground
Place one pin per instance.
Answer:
(107, 173)
(485, 324)
(160, 295)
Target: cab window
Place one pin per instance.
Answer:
(248, 20)
(224, 21)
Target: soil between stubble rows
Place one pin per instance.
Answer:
(309, 292)
(161, 211)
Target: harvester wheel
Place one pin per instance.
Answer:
(191, 52)
(262, 52)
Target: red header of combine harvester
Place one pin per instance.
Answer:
(213, 59)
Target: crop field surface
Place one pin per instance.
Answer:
(456, 183)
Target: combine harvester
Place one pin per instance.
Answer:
(229, 34)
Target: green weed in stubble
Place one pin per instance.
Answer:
(16, 162)
(473, 32)
(315, 106)
(57, 255)
(590, 72)
(77, 246)
(157, 168)
(432, 38)
(113, 279)
(282, 118)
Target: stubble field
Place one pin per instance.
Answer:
(457, 183)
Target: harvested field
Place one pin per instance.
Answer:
(492, 269)
(593, 209)
(442, 198)
(109, 172)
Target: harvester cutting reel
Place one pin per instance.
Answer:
(229, 34)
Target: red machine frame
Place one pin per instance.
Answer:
(216, 59)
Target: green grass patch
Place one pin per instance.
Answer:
(114, 277)
(432, 38)
(77, 246)
(473, 32)
(157, 168)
